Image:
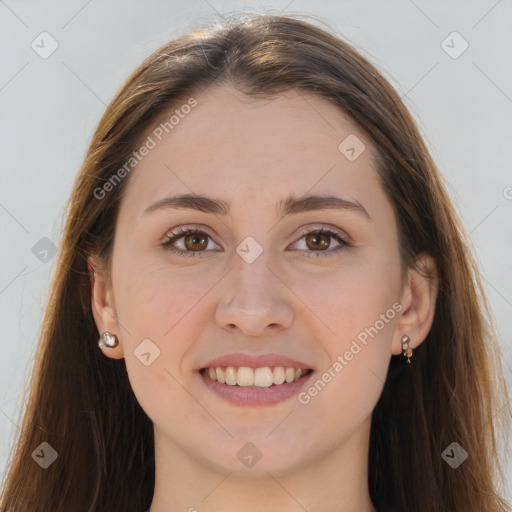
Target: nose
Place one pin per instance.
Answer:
(255, 299)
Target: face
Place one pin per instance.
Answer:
(258, 286)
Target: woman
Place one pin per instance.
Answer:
(264, 299)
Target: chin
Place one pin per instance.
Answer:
(258, 455)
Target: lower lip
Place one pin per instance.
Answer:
(241, 395)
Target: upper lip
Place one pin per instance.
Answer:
(255, 361)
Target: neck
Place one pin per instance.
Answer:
(334, 482)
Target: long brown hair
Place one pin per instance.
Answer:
(81, 403)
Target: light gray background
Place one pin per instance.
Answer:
(50, 107)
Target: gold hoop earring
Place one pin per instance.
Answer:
(407, 350)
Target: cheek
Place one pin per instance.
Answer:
(346, 302)
(156, 309)
(358, 310)
(347, 388)
(153, 304)
(154, 299)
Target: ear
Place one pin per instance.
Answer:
(103, 306)
(418, 301)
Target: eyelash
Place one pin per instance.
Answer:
(182, 232)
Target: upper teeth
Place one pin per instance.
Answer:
(259, 377)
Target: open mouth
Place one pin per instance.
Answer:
(263, 377)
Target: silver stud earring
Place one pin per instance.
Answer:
(108, 340)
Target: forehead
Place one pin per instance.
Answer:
(229, 145)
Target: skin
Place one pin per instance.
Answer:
(254, 153)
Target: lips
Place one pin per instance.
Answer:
(255, 380)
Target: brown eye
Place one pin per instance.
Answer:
(191, 241)
(319, 241)
(196, 241)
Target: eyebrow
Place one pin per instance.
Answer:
(291, 206)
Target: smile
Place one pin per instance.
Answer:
(246, 386)
(245, 376)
